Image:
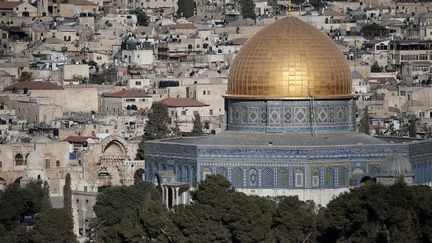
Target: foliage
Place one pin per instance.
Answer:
(197, 129)
(365, 121)
(186, 8)
(158, 121)
(67, 195)
(412, 130)
(219, 213)
(247, 9)
(51, 226)
(374, 213)
(376, 68)
(142, 18)
(46, 204)
(130, 214)
(25, 76)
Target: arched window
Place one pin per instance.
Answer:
(237, 177)
(19, 159)
(253, 177)
(223, 172)
(206, 172)
(343, 177)
(185, 171)
(283, 178)
(315, 178)
(179, 173)
(329, 178)
(298, 178)
(267, 177)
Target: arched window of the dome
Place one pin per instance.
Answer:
(298, 178)
(237, 177)
(283, 179)
(267, 177)
(316, 178)
(223, 172)
(253, 177)
(329, 178)
(19, 159)
(342, 177)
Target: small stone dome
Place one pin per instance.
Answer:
(35, 161)
(395, 165)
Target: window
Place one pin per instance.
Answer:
(47, 163)
(423, 56)
(130, 100)
(329, 178)
(98, 58)
(206, 172)
(283, 178)
(267, 176)
(223, 172)
(204, 92)
(85, 188)
(237, 177)
(19, 159)
(208, 92)
(57, 163)
(298, 178)
(172, 113)
(1, 164)
(211, 112)
(137, 82)
(183, 112)
(4, 36)
(253, 178)
(343, 177)
(315, 178)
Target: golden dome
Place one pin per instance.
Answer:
(289, 59)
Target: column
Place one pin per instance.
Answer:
(176, 195)
(167, 196)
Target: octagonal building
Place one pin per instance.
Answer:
(290, 126)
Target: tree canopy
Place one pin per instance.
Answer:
(247, 9)
(142, 18)
(186, 8)
(158, 122)
(197, 129)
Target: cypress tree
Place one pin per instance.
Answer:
(364, 122)
(67, 196)
(197, 126)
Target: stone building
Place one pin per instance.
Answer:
(290, 124)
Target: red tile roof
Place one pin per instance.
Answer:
(32, 85)
(182, 102)
(127, 94)
(9, 5)
(77, 139)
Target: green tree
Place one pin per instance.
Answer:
(247, 9)
(294, 220)
(158, 121)
(186, 8)
(365, 121)
(197, 126)
(219, 213)
(46, 204)
(67, 195)
(52, 226)
(25, 76)
(378, 213)
(376, 68)
(130, 214)
(142, 18)
(412, 127)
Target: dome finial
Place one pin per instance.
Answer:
(289, 8)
